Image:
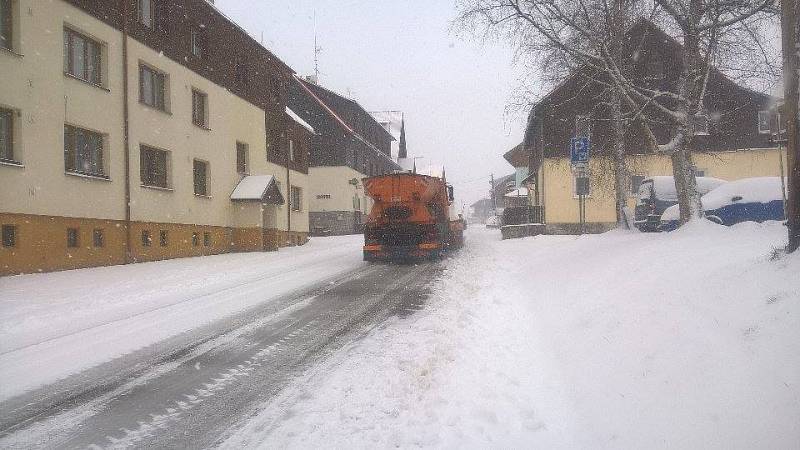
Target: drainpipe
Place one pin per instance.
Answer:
(288, 193)
(126, 133)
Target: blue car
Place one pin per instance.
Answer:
(746, 200)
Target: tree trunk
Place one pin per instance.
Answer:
(686, 184)
(692, 83)
(617, 33)
(790, 24)
(620, 166)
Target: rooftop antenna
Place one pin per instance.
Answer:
(317, 50)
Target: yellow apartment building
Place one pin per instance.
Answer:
(126, 128)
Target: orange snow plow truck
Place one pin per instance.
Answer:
(411, 218)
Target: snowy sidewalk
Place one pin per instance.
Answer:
(681, 340)
(57, 324)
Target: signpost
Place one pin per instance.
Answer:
(579, 151)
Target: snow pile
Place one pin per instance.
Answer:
(623, 340)
(751, 190)
(57, 324)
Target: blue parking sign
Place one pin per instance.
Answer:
(579, 150)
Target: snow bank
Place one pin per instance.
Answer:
(623, 340)
(57, 324)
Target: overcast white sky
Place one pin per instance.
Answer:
(401, 55)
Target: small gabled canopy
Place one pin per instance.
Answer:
(257, 188)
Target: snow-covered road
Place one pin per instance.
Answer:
(187, 391)
(622, 340)
(58, 324)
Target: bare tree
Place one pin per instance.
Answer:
(585, 37)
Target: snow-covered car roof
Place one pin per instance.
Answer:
(665, 186)
(751, 190)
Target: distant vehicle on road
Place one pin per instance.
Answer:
(494, 222)
(746, 200)
(412, 217)
(656, 194)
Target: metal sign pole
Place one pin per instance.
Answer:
(579, 159)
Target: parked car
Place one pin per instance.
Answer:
(494, 222)
(656, 194)
(746, 200)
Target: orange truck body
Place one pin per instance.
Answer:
(410, 218)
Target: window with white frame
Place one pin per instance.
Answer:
(7, 24)
(197, 43)
(7, 135)
(147, 13)
(84, 152)
(152, 87)
(242, 158)
(296, 198)
(200, 171)
(153, 167)
(199, 108)
(83, 57)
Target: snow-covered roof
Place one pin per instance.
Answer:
(432, 171)
(521, 192)
(407, 164)
(257, 188)
(304, 85)
(299, 120)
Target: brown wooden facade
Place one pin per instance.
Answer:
(655, 61)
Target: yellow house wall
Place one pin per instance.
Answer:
(299, 219)
(230, 119)
(43, 200)
(561, 205)
(335, 181)
(33, 83)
